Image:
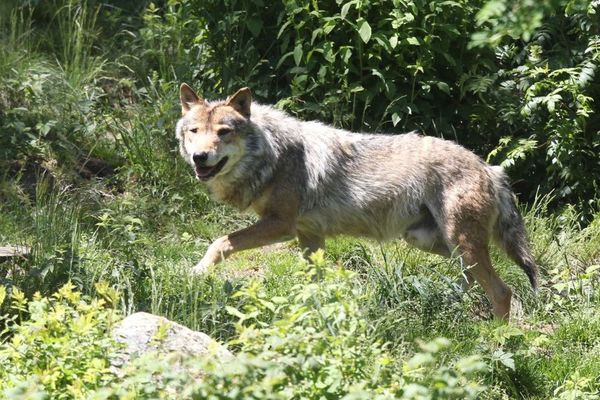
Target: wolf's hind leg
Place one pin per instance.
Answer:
(471, 238)
(309, 243)
(427, 236)
(480, 268)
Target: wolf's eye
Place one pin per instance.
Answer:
(224, 131)
(194, 130)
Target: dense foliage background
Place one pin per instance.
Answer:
(515, 81)
(91, 180)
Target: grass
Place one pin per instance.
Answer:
(142, 229)
(144, 241)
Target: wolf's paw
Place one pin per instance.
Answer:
(200, 268)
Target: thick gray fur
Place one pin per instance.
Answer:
(373, 185)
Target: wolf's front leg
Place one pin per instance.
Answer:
(218, 250)
(264, 232)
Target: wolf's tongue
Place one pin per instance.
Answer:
(203, 171)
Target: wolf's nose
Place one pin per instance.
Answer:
(200, 158)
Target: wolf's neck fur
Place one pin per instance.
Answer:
(276, 145)
(244, 183)
(252, 174)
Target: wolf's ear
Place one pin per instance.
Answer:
(188, 98)
(241, 101)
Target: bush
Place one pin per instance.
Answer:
(315, 343)
(516, 84)
(513, 82)
(541, 93)
(311, 343)
(61, 350)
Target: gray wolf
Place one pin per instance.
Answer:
(307, 180)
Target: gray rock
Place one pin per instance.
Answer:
(142, 332)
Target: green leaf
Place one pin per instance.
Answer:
(328, 52)
(395, 119)
(283, 28)
(268, 305)
(235, 312)
(505, 358)
(381, 77)
(587, 74)
(315, 34)
(279, 299)
(2, 294)
(443, 86)
(329, 26)
(364, 30)
(413, 41)
(345, 9)
(283, 58)
(419, 360)
(504, 332)
(490, 10)
(589, 270)
(298, 54)
(254, 26)
(471, 364)
(435, 345)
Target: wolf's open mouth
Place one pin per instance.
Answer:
(204, 173)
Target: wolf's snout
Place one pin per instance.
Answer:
(200, 158)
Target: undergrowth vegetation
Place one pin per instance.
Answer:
(91, 181)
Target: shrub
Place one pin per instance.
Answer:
(315, 343)
(542, 92)
(512, 82)
(311, 343)
(62, 349)
(515, 82)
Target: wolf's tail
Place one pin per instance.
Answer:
(509, 229)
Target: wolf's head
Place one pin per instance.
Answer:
(211, 135)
